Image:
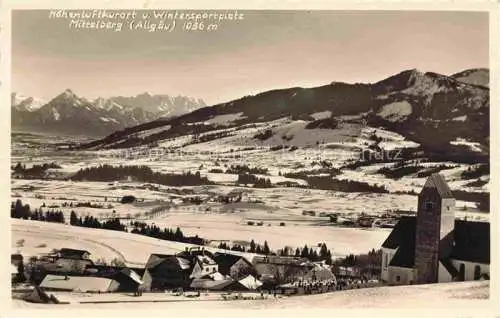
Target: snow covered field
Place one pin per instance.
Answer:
(464, 296)
(133, 249)
(42, 237)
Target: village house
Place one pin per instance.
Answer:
(66, 261)
(278, 269)
(70, 253)
(62, 262)
(129, 279)
(434, 246)
(17, 267)
(164, 272)
(203, 265)
(320, 271)
(233, 265)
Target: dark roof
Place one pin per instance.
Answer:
(404, 231)
(225, 261)
(402, 236)
(16, 257)
(159, 258)
(437, 181)
(171, 262)
(72, 251)
(471, 242)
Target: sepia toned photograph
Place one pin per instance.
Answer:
(249, 159)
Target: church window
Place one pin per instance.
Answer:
(429, 206)
(477, 272)
(461, 272)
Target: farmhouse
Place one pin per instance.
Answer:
(280, 268)
(70, 253)
(433, 246)
(203, 265)
(17, 267)
(201, 261)
(129, 279)
(166, 271)
(233, 265)
(320, 272)
(66, 261)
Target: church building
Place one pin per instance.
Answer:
(435, 247)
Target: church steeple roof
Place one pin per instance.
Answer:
(437, 181)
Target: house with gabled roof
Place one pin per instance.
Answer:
(434, 246)
(71, 253)
(129, 278)
(234, 266)
(165, 272)
(203, 265)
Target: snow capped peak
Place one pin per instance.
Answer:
(26, 103)
(100, 102)
(66, 95)
(69, 93)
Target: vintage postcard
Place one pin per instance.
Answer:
(167, 158)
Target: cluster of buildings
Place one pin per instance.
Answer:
(192, 269)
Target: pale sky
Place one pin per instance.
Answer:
(266, 50)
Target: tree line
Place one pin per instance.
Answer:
(36, 171)
(164, 234)
(247, 178)
(113, 224)
(18, 210)
(309, 253)
(109, 173)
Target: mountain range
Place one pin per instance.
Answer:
(70, 114)
(431, 109)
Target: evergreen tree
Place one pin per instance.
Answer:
(73, 219)
(178, 235)
(305, 252)
(18, 209)
(328, 258)
(314, 256)
(26, 212)
(323, 252)
(266, 249)
(252, 247)
(258, 250)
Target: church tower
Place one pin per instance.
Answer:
(434, 230)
